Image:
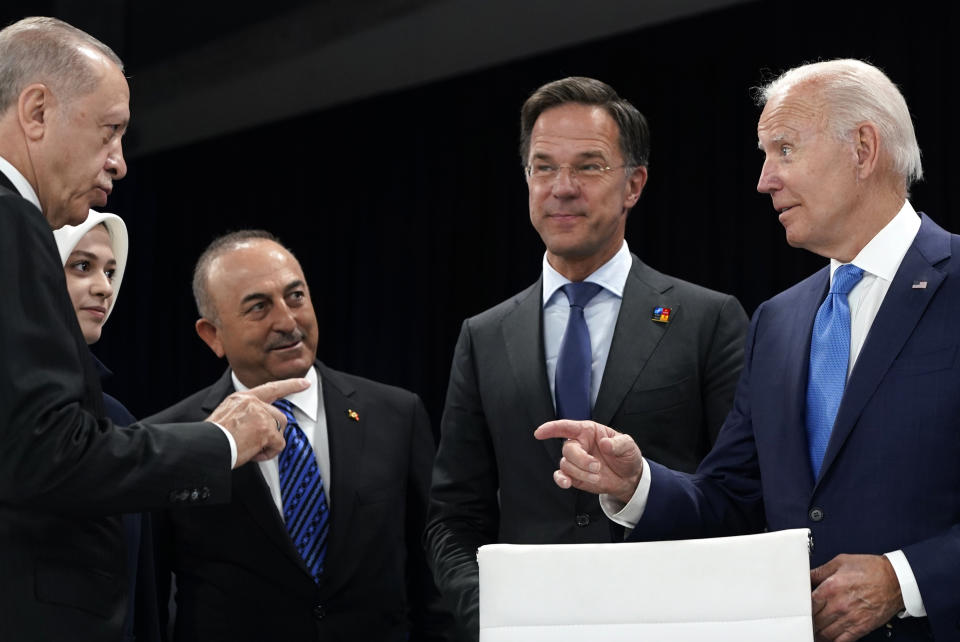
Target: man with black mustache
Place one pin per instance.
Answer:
(248, 570)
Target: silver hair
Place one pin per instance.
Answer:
(47, 50)
(856, 92)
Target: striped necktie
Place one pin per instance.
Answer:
(301, 489)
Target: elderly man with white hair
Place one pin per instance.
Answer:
(846, 419)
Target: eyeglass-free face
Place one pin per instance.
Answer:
(580, 191)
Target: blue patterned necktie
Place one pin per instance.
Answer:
(305, 511)
(572, 383)
(829, 359)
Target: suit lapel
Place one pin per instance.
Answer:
(345, 436)
(635, 336)
(523, 338)
(249, 486)
(899, 314)
(794, 367)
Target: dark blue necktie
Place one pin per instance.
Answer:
(301, 489)
(572, 383)
(829, 359)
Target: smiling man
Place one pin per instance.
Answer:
(846, 416)
(600, 335)
(348, 567)
(66, 471)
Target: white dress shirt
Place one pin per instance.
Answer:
(309, 413)
(879, 259)
(600, 313)
(22, 184)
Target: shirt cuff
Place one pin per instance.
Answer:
(233, 445)
(909, 590)
(629, 514)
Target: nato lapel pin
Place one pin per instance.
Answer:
(661, 315)
(353, 414)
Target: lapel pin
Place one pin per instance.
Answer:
(353, 414)
(919, 285)
(661, 315)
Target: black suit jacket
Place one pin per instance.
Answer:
(65, 471)
(239, 577)
(668, 385)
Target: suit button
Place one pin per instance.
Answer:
(195, 495)
(204, 493)
(319, 611)
(583, 520)
(815, 514)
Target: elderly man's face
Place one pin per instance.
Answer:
(80, 155)
(580, 217)
(811, 176)
(266, 328)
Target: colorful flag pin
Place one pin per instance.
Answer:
(661, 315)
(353, 414)
(919, 285)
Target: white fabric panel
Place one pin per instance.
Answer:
(753, 587)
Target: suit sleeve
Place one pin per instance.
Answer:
(464, 512)
(723, 364)
(724, 496)
(429, 620)
(54, 453)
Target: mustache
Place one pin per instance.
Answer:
(286, 338)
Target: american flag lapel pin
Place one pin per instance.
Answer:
(353, 414)
(661, 315)
(919, 285)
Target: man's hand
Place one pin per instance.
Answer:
(596, 458)
(255, 425)
(853, 595)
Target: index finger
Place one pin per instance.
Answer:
(559, 428)
(273, 390)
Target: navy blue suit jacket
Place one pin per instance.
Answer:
(891, 474)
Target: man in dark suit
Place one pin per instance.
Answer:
(66, 472)
(239, 575)
(657, 355)
(860, 447)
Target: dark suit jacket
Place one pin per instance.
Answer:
(890, 478)
(238, 575)
(669, 385)
(65, 471)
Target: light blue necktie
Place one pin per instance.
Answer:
(301, 488)
(574, 363)
(829, 358)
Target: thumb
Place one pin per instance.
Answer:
(819, 574)
(273, 390)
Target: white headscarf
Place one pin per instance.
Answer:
(68, 236)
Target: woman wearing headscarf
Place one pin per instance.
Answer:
(94, 255)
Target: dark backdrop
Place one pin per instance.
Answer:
(408, 211)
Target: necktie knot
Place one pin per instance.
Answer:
(845, 278)
(580, 293)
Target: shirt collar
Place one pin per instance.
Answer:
(884, 253)
(305, 400)
(612, 275)
(22, 184)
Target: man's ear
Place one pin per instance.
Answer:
(635, 182)
(867, 142)
(32, 107)
(210, 335)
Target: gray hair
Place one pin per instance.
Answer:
(47, 50)
(217, 248)
(856, 92)
(634, 131)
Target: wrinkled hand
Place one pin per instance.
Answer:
(596, 458)
(255, 425)
(853, 595)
